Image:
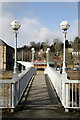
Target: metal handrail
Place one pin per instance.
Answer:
(68, 91)
(12, 90)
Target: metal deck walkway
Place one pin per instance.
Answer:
(39, 97)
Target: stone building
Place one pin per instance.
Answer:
(6, 56)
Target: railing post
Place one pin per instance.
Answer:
(64, 76)
(67, 97)
(79, 95)
(64, 91)
(13, 97)
(18, 89)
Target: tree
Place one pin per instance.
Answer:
(52, 49)
(58, 46)
(76, 44)
(47, 42)
(37, 46)
(67, 44)
(32, 44)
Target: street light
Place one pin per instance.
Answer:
(64, 26)
(15, 26)
(47, 52)
(33, 51)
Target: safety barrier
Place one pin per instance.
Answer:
(68, 91)
(12, 90)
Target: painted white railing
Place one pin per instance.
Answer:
(68, 91)
(12, 90)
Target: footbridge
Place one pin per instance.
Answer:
(36, 94)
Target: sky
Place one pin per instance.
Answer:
(39, 21)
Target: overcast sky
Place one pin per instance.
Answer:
(39, 21)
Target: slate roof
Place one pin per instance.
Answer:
(2, 43)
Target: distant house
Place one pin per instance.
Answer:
(6, 56)
(76, 53)
(70, 50)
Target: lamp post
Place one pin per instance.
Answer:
(47, 52)
(64, 26)
(15, 26)
(33, 51)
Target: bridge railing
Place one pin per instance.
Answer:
(68, 91)
(72, 94)
(12, 90)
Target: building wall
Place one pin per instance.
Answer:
(6, 58)
(9, 58)
(3, 58)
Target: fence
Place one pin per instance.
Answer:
(68, 91)
(11, 91)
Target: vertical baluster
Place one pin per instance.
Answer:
(58, 87)
(18, 90)
(72, 94)
(0, 95)
(75, 95)
(7, 95)
(69, 95)
(10, 94)
(21, 86)
(79, 95)
(3, 94)
(13, 95)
